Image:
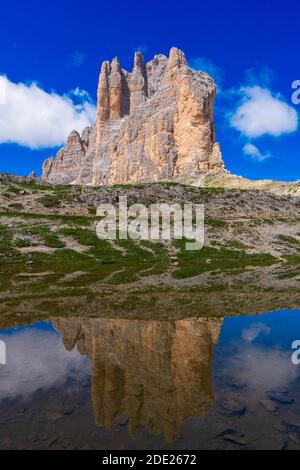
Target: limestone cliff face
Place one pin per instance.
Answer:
(155, 123)
(158, 374)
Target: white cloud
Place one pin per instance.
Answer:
(203, 64)
(251, 333)
(34, 118)
(262, 112)
(261, 369)
(79, 93)
(252, 151)
(37, 359)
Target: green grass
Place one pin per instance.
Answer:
(45, 234)
(213, 190)
(102, 261)
(49, 201)
(290, 272)
(159, 249)
(67, 219)
(16, 206)
(65, 193)
(237, 245)
(216, 223)
(92, 210)
(289, 240)
(9, 257)
(293, 259)
(7, 195)
(99, 262)
(83, 236)
(13, 189)
(268, 221)
(62, 261)
(22, 243)
(5, 240)
(193, 263)
(33, 186)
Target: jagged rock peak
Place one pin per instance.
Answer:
(177, 58)
(153, 123)
(32, 175)
(105, 69)
(74, 137)
(138, 82)
(115, 65)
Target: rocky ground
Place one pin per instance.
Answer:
(228, 180)
(50, 251)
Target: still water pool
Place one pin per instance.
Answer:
(197, 383)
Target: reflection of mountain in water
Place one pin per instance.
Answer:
(156, 373)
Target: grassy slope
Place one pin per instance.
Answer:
(60, 214)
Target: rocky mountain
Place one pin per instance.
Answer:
(9, 178)
(154, 123)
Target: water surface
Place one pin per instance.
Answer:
(197, 383)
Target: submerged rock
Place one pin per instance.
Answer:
(269, 405)
(282, 398)
(232, 408)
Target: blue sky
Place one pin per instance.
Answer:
(249, 49)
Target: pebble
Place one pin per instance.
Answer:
(282, 398)
(269, 405)
(230, 435)
(237, 385)
(280, 427)
(54, 415)
(294, 437)
(232, 408)
(227, 431)
(292, 425)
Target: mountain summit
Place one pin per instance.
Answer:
(155, 123)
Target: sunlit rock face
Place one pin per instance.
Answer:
(155, 123)
(157, 374)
